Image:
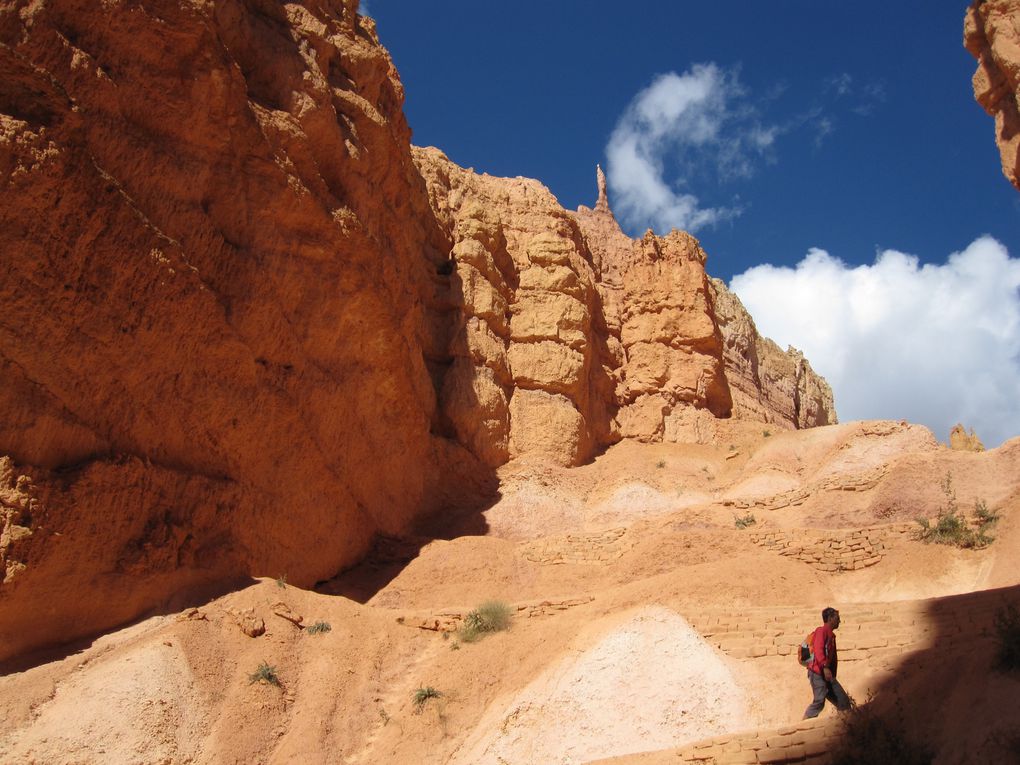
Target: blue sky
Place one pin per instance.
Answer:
(823, 147)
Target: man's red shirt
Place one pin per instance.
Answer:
(824, 648)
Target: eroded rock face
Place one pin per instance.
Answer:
(992, 35)
(568, 335)
(246, 326)
(961, 440)
(525, 367)
(665, 344)
(767, 383)
(214, 244)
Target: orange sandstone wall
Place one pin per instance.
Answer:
(213, 239)
(246, 326)
(567, 335)
(992, 35)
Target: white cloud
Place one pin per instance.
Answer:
(689, 120)
(932, 344)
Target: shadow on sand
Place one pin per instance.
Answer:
(945, 701)
(390, 555)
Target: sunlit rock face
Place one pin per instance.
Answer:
(992, 35)
(767, 383)
(214, 250)
(246, 326)
(569, 335)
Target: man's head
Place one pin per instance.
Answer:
(830, 616)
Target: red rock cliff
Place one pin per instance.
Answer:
(246, 326)
(992, 35)
(568, 335)
(214, 241)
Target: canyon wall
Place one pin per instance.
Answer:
(246, 326)
(992, 35)
(213, 242)
(566, 335)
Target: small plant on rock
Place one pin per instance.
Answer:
(744, 521)
(264, 674)
(984, 516)
(281, 581)
(318, 628)
(490, 616)
(421, 697)
(660, 464)
(1007, 631)
(951, 527)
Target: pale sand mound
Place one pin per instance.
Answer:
(133, 707)
(651, 683)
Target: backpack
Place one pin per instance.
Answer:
(806, 651)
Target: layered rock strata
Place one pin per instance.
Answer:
(246, 327)
(767, 384)
(992, 35)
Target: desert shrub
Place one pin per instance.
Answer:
(984, 516)
(951, 527)
(766, 433)
(744, 521)
(281, 581)
(421, 697)
(490, 616)
(264, 674)
(318, 628)
(1007, 632)
(660, 464)
(872, 738)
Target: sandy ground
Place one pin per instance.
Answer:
(640, 608)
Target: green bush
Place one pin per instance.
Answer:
(318, 628)
(1007, 630)
(264, 674)
(744, 521)
(421, 697)
(984, 516)
(490, 616)
(952, 528)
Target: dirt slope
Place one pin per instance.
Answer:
(646, 622)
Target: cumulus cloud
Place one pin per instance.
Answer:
(690, 121)
(934, 344)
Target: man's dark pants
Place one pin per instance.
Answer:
(823, 690)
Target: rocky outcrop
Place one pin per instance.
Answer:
(992, 35)
(767, 383)
(527, 370)
(246, 327)
(667, 348)
(566, 335)
(960, 440)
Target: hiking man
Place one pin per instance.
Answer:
(822, 670)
